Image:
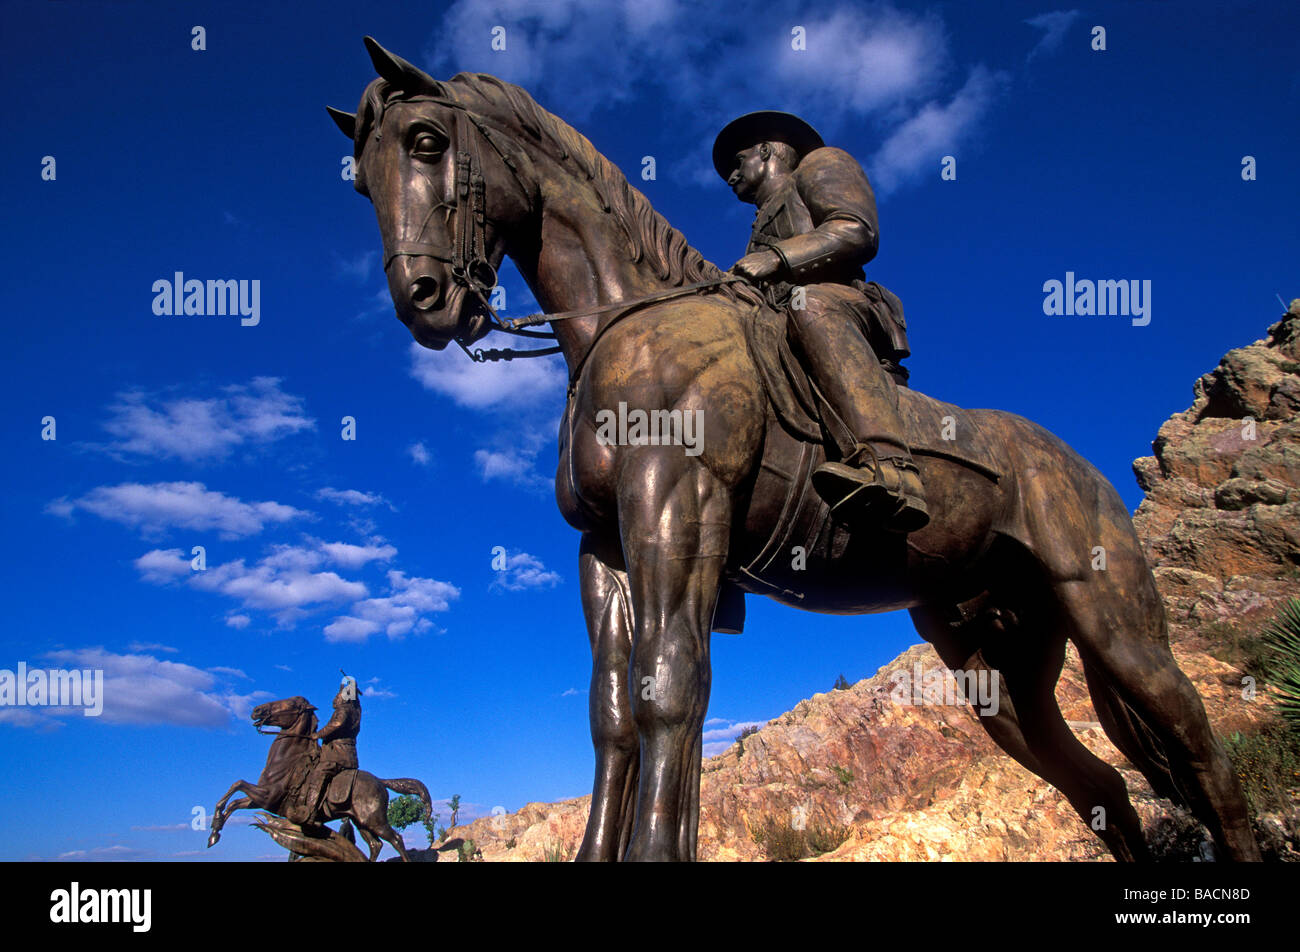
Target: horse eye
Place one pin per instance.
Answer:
(428, 145)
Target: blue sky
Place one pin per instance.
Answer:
(374, 554)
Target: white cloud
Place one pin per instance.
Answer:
(141, 689)
(200, 429)
(512, 466)
(419, 453)
(358, 267)
(282, 592)
(718, 739)
(289, 581)
(228, 672)
(509, 384)
(1054, 26)
(149, 646)
(157, 507)
(105, 854)
(396, 614)
(373, 690)
(161, 566)
(936, 130)
(858, 56)
(282, 584)
(871, 63)
(513, 457)
(524, 571)
(355, 556)
(352, 497)
(856, 63)
(350, 629)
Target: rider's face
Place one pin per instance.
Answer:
(750, 171)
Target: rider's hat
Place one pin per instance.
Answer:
(762, 127)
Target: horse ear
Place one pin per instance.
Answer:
(346, 121)
(399, 72)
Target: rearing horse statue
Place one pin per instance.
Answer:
(465, 172)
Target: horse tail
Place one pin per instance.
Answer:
(408, 786)
(1135, 740)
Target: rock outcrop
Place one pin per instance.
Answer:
(869, 778)
(1221, 517)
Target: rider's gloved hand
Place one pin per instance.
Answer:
(757, 266)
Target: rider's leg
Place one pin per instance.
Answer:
(879, 475)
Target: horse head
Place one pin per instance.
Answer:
(286, 714)
(435, 172)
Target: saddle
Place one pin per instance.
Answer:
(309, 787)
(930, 427)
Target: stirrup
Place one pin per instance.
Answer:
(879, 493)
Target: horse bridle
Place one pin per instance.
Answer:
(281, 732)
(470, 267)
(468, 261)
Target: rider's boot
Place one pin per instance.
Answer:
(873, 485)
(877, 481)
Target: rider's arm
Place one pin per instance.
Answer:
(335, 723)
(843, 209)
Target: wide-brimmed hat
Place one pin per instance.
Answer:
(764, 126)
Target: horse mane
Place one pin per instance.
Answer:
(648, 236)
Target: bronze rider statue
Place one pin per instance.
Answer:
(815, 228)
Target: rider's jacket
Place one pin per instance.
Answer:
(823, 225)
(822, 222)
(339, 736)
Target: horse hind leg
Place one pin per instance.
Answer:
(375, 807)
(1022, 717)
(1094, 788)
(372, 842)
(1148, 707)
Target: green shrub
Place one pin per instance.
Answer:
(1236, 646)
(1268, 766)
(746, 732)
(1281, 667)
(556, 853)
(825, 837)
(782, 843)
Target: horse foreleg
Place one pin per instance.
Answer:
(221, 812)
(606, 603)
(675, 520)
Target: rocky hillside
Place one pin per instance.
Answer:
(871, 779)
(1221, 518)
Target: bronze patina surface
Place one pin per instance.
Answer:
(465, 172)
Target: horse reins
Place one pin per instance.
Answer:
(470, 267)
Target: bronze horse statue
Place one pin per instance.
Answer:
(465, 172)
(361, 798)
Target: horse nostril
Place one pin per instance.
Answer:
(424, 292)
